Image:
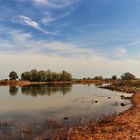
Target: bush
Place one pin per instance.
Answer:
(128, 76)
(13, 75)
(98, 78)
(114, 77)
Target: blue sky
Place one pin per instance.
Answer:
(84, 37)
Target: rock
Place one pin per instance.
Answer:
(122, 97)
(65, 118)
(126, 98)
(123, 104)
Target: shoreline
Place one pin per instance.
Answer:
(124, 126)
(26, 83)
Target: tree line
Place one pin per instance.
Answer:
(42, 76)
(124, 76)
(50, 76)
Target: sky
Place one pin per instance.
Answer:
(84, 37)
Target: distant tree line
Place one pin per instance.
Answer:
(95, 78)
(124, 76)
(50, 76)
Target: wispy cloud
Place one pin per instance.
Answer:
(30, 22)
(120, 52)
(22, 40)
(49, 18)
(55, 3)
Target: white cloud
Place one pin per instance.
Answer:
(120, 52)
(21, 36)
(28, 21)
(78, 66)
(21, 40)
(55, 3)
(62, 48)
(48, 17)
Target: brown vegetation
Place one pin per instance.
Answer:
(23, 82)
(122, 127)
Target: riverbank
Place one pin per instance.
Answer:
(125, 126)
(25, 83)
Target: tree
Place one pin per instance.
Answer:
(65, 76)
(98, 78)
(13, 75)
(55, 76)
(25, 76)
(128, 76)
(42, 75)
(114, 77)
(49, 75)
(33, 75)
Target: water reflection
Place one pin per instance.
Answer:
(98, 84)
(35, 90)
(85, 102)
(13, 90)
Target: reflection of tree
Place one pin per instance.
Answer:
(98, 84)
(13, 90)
(35, 90)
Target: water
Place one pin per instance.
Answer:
(58, 101)
(30, 106)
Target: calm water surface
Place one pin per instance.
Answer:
(36, 102)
